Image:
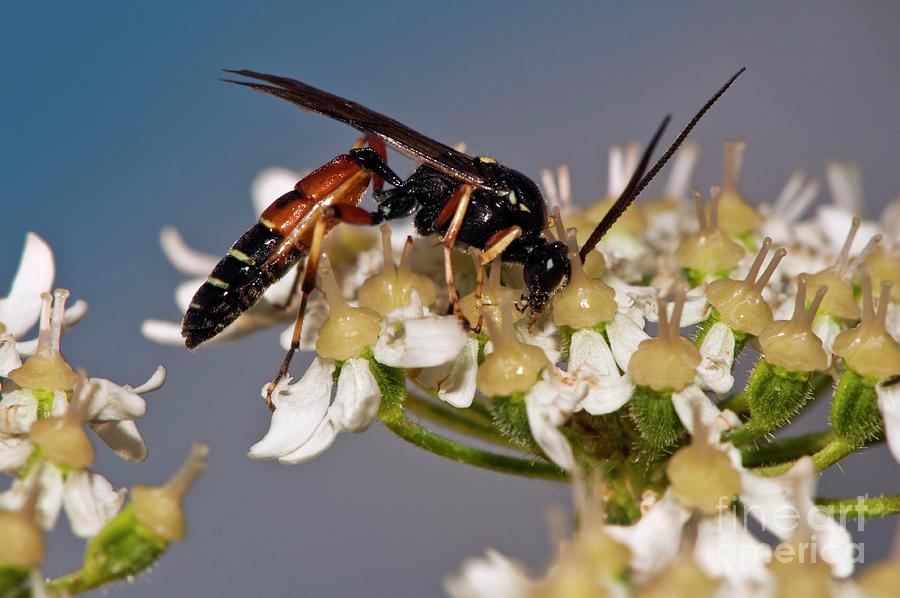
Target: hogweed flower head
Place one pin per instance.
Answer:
(513, 367)
(740, 303)
(792, 344)
(710, 252)
(869, 349)
(347, 331)
(584, 302)
(668, 361)
(392, 288)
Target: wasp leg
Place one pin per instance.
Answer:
(457, 206)
(330, 216)
(479, 283)
(498, 242)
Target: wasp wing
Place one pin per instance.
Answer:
(413, 144)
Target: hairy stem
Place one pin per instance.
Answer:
(831, 453)
(861, 507)
(458, 420)
(786, 449)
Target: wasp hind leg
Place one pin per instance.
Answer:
(455, 210)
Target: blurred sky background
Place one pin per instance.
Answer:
(113, 124)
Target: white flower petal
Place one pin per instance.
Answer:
(299, 409)
(50, 500)
(186, 260)
(111, 402)
(889, 404)
(543, 335)
(624, 337)
(19, 310)
(420, 342)
(494, 576)
(726, 550)
(783, 503)
(592, 362)
(716, 422)
(270, 184)
(717, 353)
(90, 502)
(9, 354)
(827, 329)
(548, 409)
(321, 439)
(154, 382)
(357, 398)
(834, 222)
(654, 540)
(162, 332)
(124, 438)
(14, 452)
(695, 309)
(316, 313)
(18, 410)
(455, 381)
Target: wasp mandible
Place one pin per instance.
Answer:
(469, 201)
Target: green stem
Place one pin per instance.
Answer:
(737, 403)
(457, 420)
(787, 449)
(394, 418)
(869, 506)
(824, 458)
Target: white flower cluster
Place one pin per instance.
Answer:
(584, 386)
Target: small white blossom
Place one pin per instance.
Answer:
(413, 337)
(455, 381)
(717, 351)
(494, 576)
(624, 337)
(591, 361)
(889, 404)
(549, 404)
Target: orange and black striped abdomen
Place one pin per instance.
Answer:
(270, 248)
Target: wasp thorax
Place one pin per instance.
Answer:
(868, 349)
(840, 301)
(884, 265)
(347, 331)
(513, 367)
(791, 344)
(709, 251)
(485, 305)
(740, 303)
(394, 286)
(736, 215)
(159, 507)
(584, 302)
(21, 540)
(63, 439)
(702, 477)
(47, 369)
(622, 163)
(667, 362)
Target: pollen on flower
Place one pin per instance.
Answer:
(667, 362)
(584, 302)
(791, 344)
(63, 439)
(513, 367)
(709, 251)
(159, 507)
(740, 302)
(47, 369)
(869, 349)
(392, 288)
(347, 331)
(622, 163)
(736, 215)
(21, 541)
(840, 300)
(479, 307)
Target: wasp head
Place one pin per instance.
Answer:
(546, 269)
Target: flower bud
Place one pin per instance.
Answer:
(347, 331)
(63, 440)
(791, 344)
(493, 295)
(708, 253)
(159, 507)
(47, 369)
(840, 301)
(869, 349)
(583, 302)
(740, 303)
(668, 362)
(21, 540)
(736, 215)
(513, 367)
(393, 287)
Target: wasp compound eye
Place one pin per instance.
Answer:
(544, 271)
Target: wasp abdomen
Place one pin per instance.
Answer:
(237, 282)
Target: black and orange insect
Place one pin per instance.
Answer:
(470, 201)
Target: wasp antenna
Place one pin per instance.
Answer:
(641, 180)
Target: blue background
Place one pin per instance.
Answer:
(113, 124)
